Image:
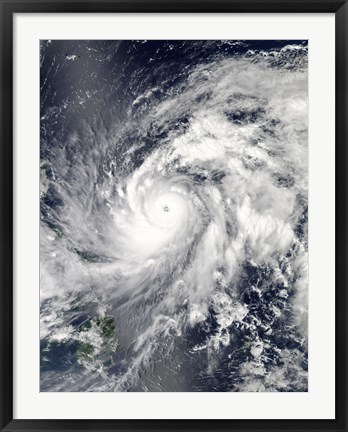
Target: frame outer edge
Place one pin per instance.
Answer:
(341, 248)
(164, 6)
(6, 220)
(6, 224)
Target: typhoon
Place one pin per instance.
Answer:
(173, 231)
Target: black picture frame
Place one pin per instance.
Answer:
(8, 9)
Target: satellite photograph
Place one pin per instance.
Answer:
(173, 206)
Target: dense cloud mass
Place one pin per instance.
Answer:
(173, 245)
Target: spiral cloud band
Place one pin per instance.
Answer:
(173, 246)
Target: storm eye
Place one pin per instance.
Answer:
(166, 208)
